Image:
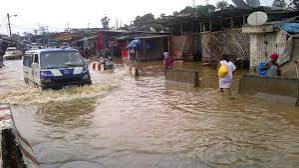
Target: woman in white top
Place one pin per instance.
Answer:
(225, 82)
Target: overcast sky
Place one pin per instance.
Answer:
(58, 14)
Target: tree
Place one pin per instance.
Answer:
(221, 4)
(175, 13)
(189, 10)
(125, 27)
(205, 9)
(145, 22)
(162, 16)
(294, 4)
(105, 22)
(279, 3)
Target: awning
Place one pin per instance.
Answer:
(88, 38)
(290, 27)
(153, 37)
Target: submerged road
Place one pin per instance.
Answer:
(120, 121)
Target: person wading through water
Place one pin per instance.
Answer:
(167, 60)
(226, 71)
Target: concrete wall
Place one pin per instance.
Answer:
(186, 76)
(183, 47)
(290, 68)
(286, 88)
(16, 151)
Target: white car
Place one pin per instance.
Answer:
(12, 54)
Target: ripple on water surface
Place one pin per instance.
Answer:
(13, 90)
(120, 121)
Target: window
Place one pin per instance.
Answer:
(59, 59)
(30, 59)
(27, 60)
(36, 59)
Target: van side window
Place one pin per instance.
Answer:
(26, 60)
(36, 58)
(30, 59)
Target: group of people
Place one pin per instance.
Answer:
(226, 70)
(107, 62)
(87, 51)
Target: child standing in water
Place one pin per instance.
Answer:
(167, 60)
(226, 78)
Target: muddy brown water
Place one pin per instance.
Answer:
(120, 121)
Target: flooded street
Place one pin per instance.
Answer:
(120, 121)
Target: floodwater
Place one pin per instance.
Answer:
(145, 122)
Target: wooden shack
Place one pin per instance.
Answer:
(152, 47)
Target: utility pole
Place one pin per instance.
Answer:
(9, 26)
(8, 19)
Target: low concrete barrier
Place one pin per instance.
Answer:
(186, 76)
(97, 66)
(134, 71)
(16, 152)
(277, 88)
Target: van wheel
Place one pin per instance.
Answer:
(35, 85)
(26, 81)
(42, 88)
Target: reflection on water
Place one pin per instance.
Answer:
(121, 121)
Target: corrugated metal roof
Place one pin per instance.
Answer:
(151, 37)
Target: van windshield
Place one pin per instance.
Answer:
(61, 59)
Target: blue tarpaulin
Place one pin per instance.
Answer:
(290, 27)
(134, 44)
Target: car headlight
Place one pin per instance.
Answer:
(85, 70)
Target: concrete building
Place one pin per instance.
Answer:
(267, 39)
(207, 37)
(152, 47)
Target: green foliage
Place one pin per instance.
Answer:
(176, 13)
(205, 9)
(221, 4)
(279, 3)
(188, 10)
(295, 4)
(105, 22)
(145, 22)
(200, 10)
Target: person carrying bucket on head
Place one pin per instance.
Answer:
(226, 71)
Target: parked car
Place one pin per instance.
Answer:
(55, 68)
(33, 46)
(12, 54)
